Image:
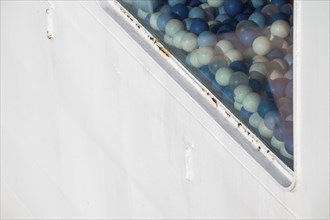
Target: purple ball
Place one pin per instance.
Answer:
(277, 87)
(247, 37)
(289, 90)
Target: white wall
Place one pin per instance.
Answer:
(93, 127)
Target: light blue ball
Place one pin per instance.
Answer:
(174, 2)
(271, 119)
(207, 39)
(197, 12)
(163, 20)
(166, 9)
(258, 18)
(258, 3)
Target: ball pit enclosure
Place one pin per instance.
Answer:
(241, 50)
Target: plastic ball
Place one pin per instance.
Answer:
(238, 78)
(239, 66)
(278, 16)
(258, 18)
(240, 92)
(189, 42)
(280, 29)
(165, 9)
(258, 3)
(173, 26)
(194, 59)
(247, 37)
(286, 109)
(279, 3)
(205, 55)
(277, 87)
(178, 38)
(259, 67)
(175, 2)
(147, 6)
(222, 17)
(245, 115)
(142, 14)
(223, 46)
(233, 7)
(275, 53)
(261, 45)
(234, 55)
(271, 119)
(255, 85)
(154, 19)
(216, 63)
(180, 11)
(225, 29)
(207, 39)
(255, 119)
(222, 76)
(283, 130)
(285, 153)
(197, 12)
(198, 26)
(238, 106)
(215, 3)
(251, 102)
(264, 131)
(287, 9)
(163, 20)
(266, 106)
(244, 25)
(216, 88)
(242, 17)
(276, 143)
(289, 145)
(269, 10)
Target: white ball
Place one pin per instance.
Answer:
(264, 131)
(178, 37)
(260, 59)
(234, 55)
(238, 106)
(194, 59)
(173, 26)
(168, 39)
(285, 153)
(251, 102)
(142, 14)
(259, 67)
(280, 29)
(153, 20)
(223, 46)
(189, 42)
(276, 143)
(205, 55)
(261, 45)
(215, 3)
(222, 76)
(240, 92)
(255, 120)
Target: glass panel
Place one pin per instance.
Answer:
(241, 50)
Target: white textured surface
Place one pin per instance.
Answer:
(90, 130)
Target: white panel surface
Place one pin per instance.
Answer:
(92, 127)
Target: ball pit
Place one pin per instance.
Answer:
(242, 50)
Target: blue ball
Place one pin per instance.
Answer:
(228, 94)
(194, 3)
(147, 19)
(247, 37)
(206, 74)
(279, 3)
(207, 39)
(197, 12)
(175, 2)
(198, 26)
(214, 27)
(233, 7)
(245, 115)
(266, 106)
(255, 85)
(225, 29)
(188, 22)
(258, 18)
(258, 3)
(222, 17)
(180, 11)
(283, 130)
(278, 16)
(162, 21)
(287, 9)
(239, 66)
(242, 17)
(275, 53)
(271, 119)
(166, 9)
(221, 10)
